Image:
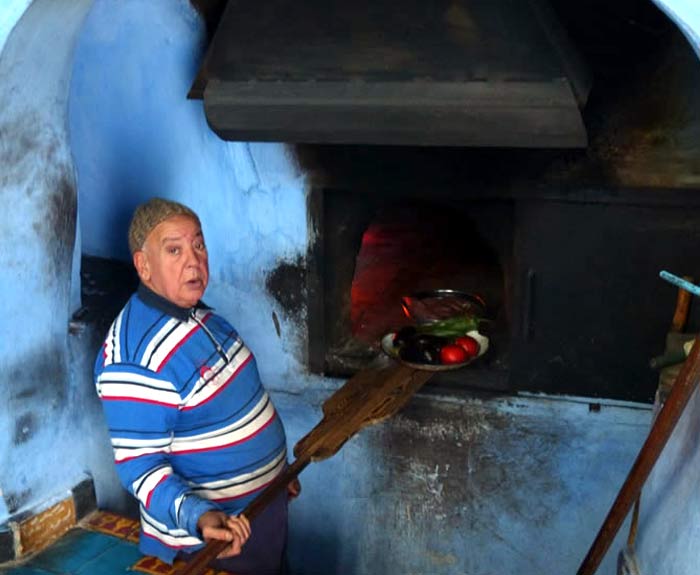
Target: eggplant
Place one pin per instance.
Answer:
(415, 352)
(418, 347)
(425, 339)
(404, 335)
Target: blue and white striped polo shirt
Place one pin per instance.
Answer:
(191, 426)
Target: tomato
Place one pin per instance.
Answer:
(453, 354)
(468, 344)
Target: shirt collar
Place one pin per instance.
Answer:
(152, 299)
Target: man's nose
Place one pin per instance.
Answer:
(193, 257)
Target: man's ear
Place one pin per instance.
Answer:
(141, 265)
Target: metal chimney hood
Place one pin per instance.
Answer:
(481, 73)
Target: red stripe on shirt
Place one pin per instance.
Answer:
(150, 493)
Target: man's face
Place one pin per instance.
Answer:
(174, 262)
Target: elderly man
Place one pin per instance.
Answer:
(194, 433)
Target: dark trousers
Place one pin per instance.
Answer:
(264, 552)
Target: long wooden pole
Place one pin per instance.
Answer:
(680, 315)
(666, 421)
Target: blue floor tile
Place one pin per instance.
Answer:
(72, 551)
(25, 570)
(114, 561)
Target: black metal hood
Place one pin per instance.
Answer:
(484, 73)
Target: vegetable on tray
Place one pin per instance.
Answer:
(451, 327)
(447, 344)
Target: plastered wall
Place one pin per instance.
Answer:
(93, 120)
(44, 419)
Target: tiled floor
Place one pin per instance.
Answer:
(104, 544)
(82, 552)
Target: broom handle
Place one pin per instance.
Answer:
(666, 421)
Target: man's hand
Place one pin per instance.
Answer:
(218, 525)
(293, 488)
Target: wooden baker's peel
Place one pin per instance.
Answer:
(369, 397)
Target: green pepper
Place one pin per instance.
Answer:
(451, 327)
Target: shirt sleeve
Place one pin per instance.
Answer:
(141, 408)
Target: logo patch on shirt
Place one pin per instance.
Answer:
(206, 373)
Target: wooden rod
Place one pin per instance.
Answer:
(666, 421)
(680, 316)
(199, 563)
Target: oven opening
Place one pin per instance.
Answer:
(379, 250)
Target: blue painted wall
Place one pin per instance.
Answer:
(45, 420)
(482, 481)
(11, 12)
(669, 523)
(453, 485)
(462, 485)
(134, 135)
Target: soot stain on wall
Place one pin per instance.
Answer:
(37, 162)
(15, 500)
(35, 376)
(18, 159)
(25, 427)
(57, 228)
(61, 218)
(469, 463)
(287, 283)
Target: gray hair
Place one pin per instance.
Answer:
(149, 214)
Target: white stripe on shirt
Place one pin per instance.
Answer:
(168, 338)
(144, 485)
(246, 483)
(255, 420)
(171, 537)
(133, 386)
(112, 345)
(121, 455)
